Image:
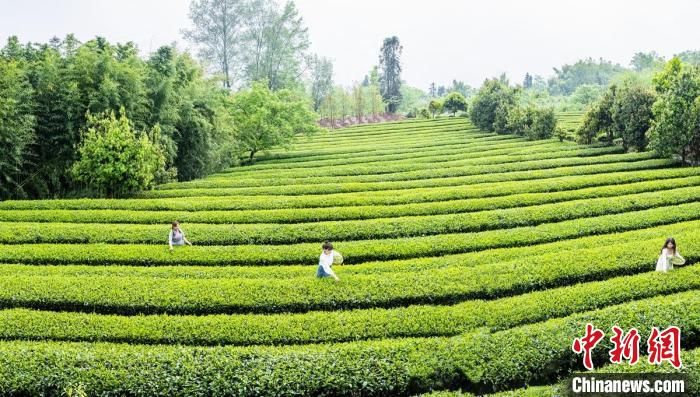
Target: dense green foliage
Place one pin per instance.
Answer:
(675, 129)
(16, 125)
(60, 82)
(455, 102)
(264, 119)
(116, 160)
(472, 260)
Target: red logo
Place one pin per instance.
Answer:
(587, 343)
(662, 345)
(665, 346)
(626, 347)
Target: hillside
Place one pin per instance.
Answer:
(472, 261)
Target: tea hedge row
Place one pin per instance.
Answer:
(431, 173)
(406, 226)
(604, 224)
(282, 158)
(446, 151)
(331, 188)
(129, 295)
(387, 167)
(354, 251)
(387, 197)
(342, 326)
(299, 215)
(477, 362)
(428, 156)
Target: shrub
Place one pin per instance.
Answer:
(114, 159)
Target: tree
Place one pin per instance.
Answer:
(264, 119)
(441, 91)
(321, 80)
(432, 91)
(489, 108)
(218, 27)
(632, 115)
(275, 45)
(527, 81)
(531, 122)
(358, 97)
(598, 119)
(543, 125)
(455, 102)
(585, 71)
(462, 88)
(390, 75)
(435, 107)
(643, 61)
(691, 57)
(114, 159)
(16, 125)
(412, 99)
(676, 126)
(586, 94)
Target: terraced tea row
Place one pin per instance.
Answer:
(377, 198)
(472, 260)
(478, 360)
(342, 326)
(421, 172)
(474, 176)
(315, 214)
(355, 251)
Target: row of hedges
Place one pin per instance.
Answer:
(405, 226)
(483, 158)
(654, 222)
(430, 173)
(478, 362)
(129, 295)
(443, 136)
(390, 155)
(377, 198)
(603, 167)
(298, 215)
(436, 158)
(342, 326)
(354, 251)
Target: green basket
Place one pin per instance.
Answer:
(676, 261)
(337, 258)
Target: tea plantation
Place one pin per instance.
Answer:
(472, 261)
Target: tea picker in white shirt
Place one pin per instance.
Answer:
(669, 256)
(328, 257)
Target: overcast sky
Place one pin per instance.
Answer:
(442, 39)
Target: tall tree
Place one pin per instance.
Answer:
(390, 72)
(218, 27)
(321, 80)
(632, 114)
(527, 81)
(16, 124)
(432, 91)
(676, 127)
(358, 97)
(276, 45)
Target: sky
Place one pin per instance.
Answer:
(442, 39)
